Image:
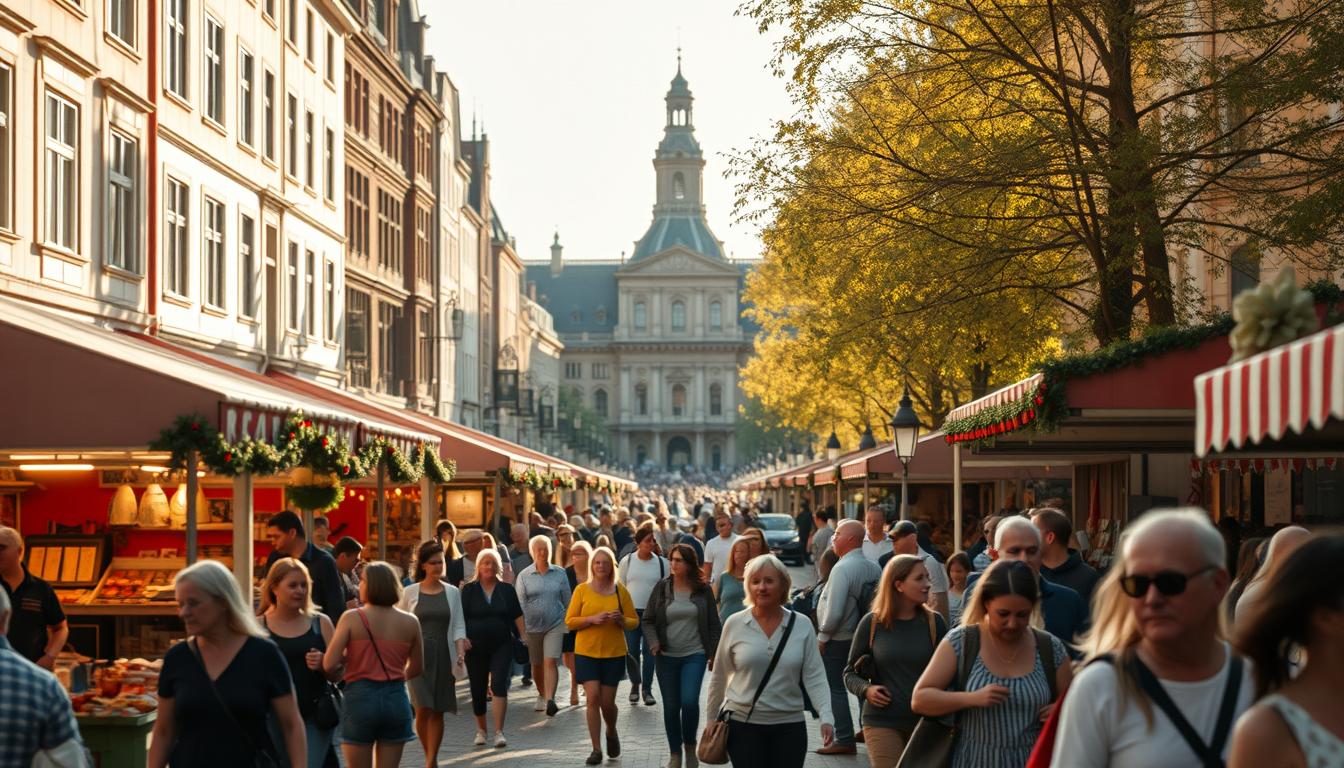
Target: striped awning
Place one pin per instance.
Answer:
(1290, 388)
(1009, 394)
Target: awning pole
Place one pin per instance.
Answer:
(242, 532)
(192, 485)
(956, 498)
(382, 512)
(428, 508)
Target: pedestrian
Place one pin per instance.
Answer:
(1063, 612)
(730, 588)
(845, 599)
(981, 559)
(34, 707)
(37, 625)
(575, 573)
(924, 532)
(446, 534)
(346, 555)
(285, 531)
(302, 633)
(217, 688)
(543, 591)
(717, 548)
(958, 569)
(1156, 634)
(494, 619)
(1014, 676)
(904, 536)
(505, 559)
(755, 542)
(322, 534)
(565, 536)
(803, 522)
(1303, 608)
(755, 678)
(437, 605)
(820, 541)
(381, 648)
(876, 542)
(898, 638)
(681, 627)
(518, 554)
(1249, 561)
(640, 571)
(601, 612)
(1060, 564)
(1281, 545)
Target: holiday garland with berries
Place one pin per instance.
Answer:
(537, 480)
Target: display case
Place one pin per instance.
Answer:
(71, 564)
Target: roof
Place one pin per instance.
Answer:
(678, 139)
(688, 230)
(498, 233)
(582, 299)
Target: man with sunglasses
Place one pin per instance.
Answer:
(1171, 687)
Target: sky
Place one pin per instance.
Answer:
(571, 93)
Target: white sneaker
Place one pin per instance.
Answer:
(499, 740)
(540, 706)
(480, 738)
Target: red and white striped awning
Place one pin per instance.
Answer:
(1290, 387)
(1009, 394)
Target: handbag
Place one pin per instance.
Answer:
(713, 746)
(331, 701)
(930, 744)
(262, 757)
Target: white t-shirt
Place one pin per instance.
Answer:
(874, 550)
(1095, 731)
(716, 554)
(640, 576)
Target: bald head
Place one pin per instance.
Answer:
(848, 536)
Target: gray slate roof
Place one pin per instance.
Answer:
(669, 229)
(581, 288)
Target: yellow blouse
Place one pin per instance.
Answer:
(603, 641)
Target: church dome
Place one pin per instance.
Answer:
(679, 85)
(689, 231)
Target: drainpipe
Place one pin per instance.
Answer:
(152, 177)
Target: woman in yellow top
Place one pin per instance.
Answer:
(600, 613)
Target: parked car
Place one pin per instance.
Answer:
(781, 534)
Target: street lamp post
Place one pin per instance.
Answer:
(905, 428)
(832, 447)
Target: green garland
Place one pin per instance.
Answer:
(434, 468)
(325, 454)
(400, 470)
(318, 498)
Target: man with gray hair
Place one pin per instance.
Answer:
(1064, 612)
(38, 628)
(844, 600)
(33, 706)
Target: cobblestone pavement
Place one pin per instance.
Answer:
(537, 741)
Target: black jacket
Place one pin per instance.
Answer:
(1074, 574)
(654, 622)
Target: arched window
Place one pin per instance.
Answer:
(678, 315)
(642, 399)
(678, 399)
(1244, 268)
(600, 402)
(715, 399)
(678, 186)
(715, 315)
(641, 316)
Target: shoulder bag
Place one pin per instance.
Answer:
(263, 755)
(866, 665)
(713, 746)
(1210, 755)
(931, 742)
(330, 702)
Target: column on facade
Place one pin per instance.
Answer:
(701, 459)
(730, 395)
(698, 312)
(656, 393)
(699, 400)
(730, 452)
(656, 447)
(623, 445)
(627, 386)
(656, 313)
(625, 315)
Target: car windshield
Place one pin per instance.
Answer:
(776, 522)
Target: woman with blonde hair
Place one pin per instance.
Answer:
(381, 648)
(217, 687)
(576, 571)
(302, 634)
(729, 589)
(891, 648)
(494, 618)
(600, 613)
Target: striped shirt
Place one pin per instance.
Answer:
(35, 710)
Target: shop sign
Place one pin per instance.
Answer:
(240, 421)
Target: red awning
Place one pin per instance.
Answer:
(1292, 388)
(1009, 394)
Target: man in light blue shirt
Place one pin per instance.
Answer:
(838, 613)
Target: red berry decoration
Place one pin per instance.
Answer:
(196, 427)
(228, 457)
(291, 435)
(324, 442)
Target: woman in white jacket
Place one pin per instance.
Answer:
(438, 606)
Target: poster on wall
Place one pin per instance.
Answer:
(465, 507)
(1278, 497)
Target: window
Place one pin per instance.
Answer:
(6, 148)
(678, 186)
(268, 8)
(356, 212)
(268, 116)
(389, 232)
(212, 246)
(214, 70)
(600, 315)
(715, 315)
(641, 316)
(310, 293)
(1245, 269)
(329, 300)
(678, 399)
(357, 337)
(310, 41)
(424, 224)
(62, 155)
(378, 12)
(388, 318)
(175, 251)
(329, 165)
(573, 370)
(600, 370)
(678, 315)
(426, 348)
(121, 20)
(292, 288)
(292, 22)
(715, 400)
(642, 399)
(600, 402)
(292, 135)
(356, 100)
(247, 266)
(308, 158)
(122, 222)
(389, 128)
(175, 60)
(246, 73)
(715, 458)
(329, 63)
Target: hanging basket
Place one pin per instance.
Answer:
(318, 498)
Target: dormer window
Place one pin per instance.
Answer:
(601, 314)
(576, 315)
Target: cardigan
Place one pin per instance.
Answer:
(654, 621)
(457, 629)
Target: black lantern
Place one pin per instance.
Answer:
(905, 428)
(867, 441)
(832, 447)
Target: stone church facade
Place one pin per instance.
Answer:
(655, 341)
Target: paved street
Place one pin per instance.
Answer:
(541, 742)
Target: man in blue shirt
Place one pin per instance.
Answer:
(33, 706)
(285, 530)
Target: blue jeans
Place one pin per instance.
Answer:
(834, 658)
(318, 742)
(679, 679)
(634, 645)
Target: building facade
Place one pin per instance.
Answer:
(654, 343)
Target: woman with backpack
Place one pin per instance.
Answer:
(891, 648)
(640, 571)
(996, 671)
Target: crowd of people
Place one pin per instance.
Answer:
(1169, 658)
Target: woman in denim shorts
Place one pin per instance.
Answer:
(380, 646)
(600, 613)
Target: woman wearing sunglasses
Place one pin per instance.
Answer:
(1169, 687)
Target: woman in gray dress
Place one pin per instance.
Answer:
(438, 606)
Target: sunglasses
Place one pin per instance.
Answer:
(1169, 583)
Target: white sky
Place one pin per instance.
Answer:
(571, 95)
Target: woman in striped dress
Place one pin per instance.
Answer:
(1007, 695)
